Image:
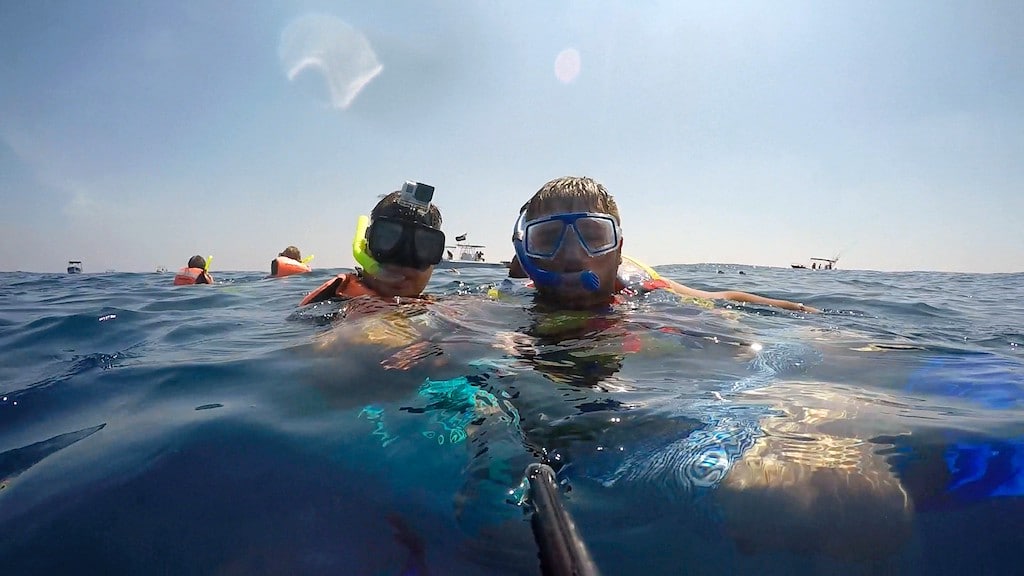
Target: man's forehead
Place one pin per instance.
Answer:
(564, 205)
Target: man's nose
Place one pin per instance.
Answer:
(572, 251)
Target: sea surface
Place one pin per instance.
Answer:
(153, 429)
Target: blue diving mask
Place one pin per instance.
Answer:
(542, 238)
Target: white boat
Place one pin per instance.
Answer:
(74, 266)
(818, 264)
(465, 255)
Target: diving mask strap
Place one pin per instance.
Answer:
(359, 247)
(587, 278)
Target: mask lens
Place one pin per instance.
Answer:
(429, 245)
(597, 234)
(385, 236)
(544, 238)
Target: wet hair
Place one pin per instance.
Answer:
(291, 252)
(390, 207)
(197, 261)
(554, 194)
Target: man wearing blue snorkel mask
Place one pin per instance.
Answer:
(568, 240)
(396, 247)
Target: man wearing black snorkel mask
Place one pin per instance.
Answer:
(568, 240)
(396, 247)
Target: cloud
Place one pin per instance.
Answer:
(339, 52)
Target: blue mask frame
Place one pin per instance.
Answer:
(570, 221)
(587, 278)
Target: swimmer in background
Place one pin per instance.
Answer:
(196, 272)
(289, 261)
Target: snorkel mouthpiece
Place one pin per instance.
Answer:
(590, 281)
(359, 247)
(587, 278)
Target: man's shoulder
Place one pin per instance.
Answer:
(345, 285)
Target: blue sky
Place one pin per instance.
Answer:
(135, 134)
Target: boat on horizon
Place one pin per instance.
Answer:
(466, 255)
(818, 264)
(74, 266)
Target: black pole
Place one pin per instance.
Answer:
(562, 551)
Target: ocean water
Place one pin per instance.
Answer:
(153, 429)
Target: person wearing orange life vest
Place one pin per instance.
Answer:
(289, 262)
(568, 240)
(396, 247)
(195, 273)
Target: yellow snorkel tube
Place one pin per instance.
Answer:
(308, 259)
(206, 264)
(650, 271)
(359, 247)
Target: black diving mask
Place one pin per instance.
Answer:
(404, 243)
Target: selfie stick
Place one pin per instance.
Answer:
(562, 552)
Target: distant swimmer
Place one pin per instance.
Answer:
(197, 272)
(290, 261)
(396, 248)
(568, 240)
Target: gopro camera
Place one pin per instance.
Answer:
(417, 195)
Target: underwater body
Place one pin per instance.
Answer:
(148, 428)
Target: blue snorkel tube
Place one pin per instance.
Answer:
(587, 278)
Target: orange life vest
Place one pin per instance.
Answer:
(287, 266)
(623, 291)
(341, 286)
(187, 276)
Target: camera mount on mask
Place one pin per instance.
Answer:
(416, 195)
